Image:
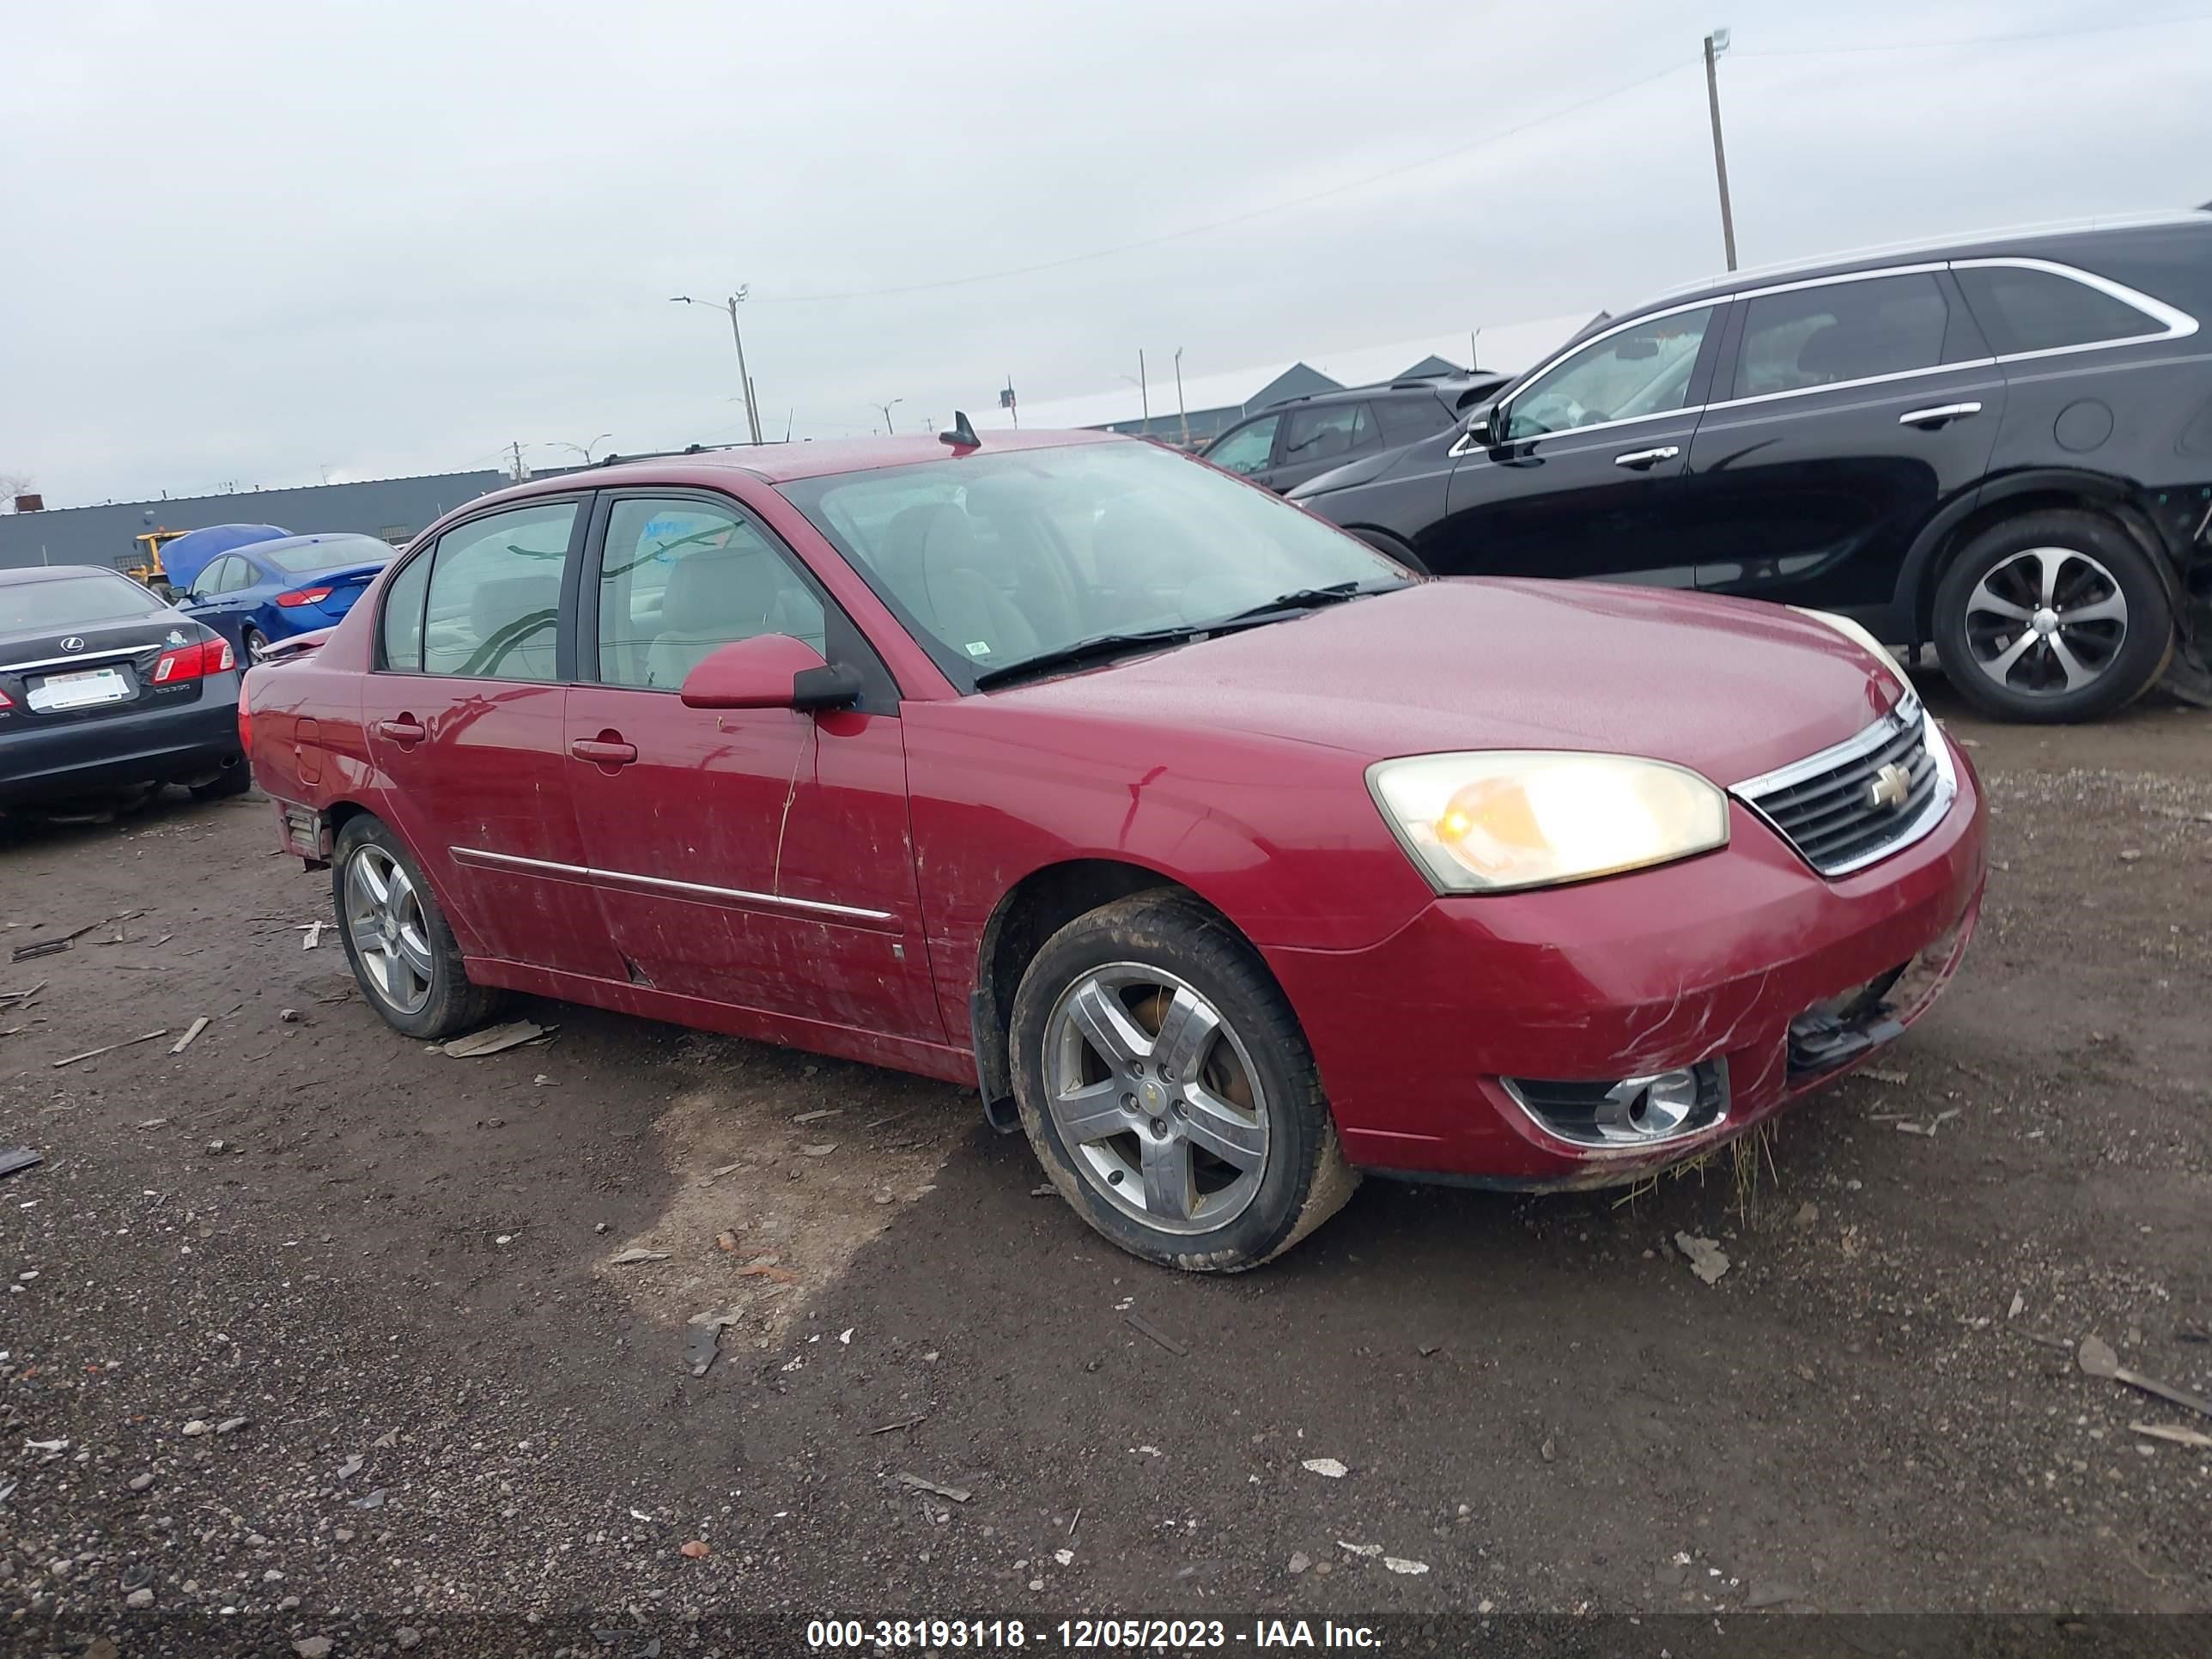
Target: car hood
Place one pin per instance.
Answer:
(1726, 687)
(1364, 469)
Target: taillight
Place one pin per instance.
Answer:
(192, 662)
(299, 596)
(5, 701)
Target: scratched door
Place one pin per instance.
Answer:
(757, 857)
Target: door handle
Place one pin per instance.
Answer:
(604, 752)
(1929, 419)
(1640, 459)
(406, 731)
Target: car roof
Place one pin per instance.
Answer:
(776, 464)
(247, 549)
(1962, 246)
(36, 572)
(1441, 385)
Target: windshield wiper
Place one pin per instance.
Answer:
(1099, 647)
(1303, 599)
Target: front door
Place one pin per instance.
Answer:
(464, 722)
(1577, 477)
(1851, 411)
(759, 857)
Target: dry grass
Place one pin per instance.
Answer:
(1744, 1157)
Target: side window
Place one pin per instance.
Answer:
(209, 582)
(1405, 419)
(494, 607)
(1248, 448)
(1645, 369)
(1329, 433)
(680, 578)
(242, 575)
(1809, 337)
(402, 633)
(2026, 310)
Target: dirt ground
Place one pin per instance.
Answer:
(311, 1325)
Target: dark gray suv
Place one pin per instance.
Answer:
(1297, 439)
(2002, 445)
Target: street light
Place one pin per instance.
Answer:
(745, 379)
(585, 450)
(1716, 43)
(886, 408)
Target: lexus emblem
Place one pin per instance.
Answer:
(74, 642)
(1892, 786)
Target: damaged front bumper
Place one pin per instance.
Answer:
(1586, 1035)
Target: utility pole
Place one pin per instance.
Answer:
(519, 472)
(737, 335)
(1182, 415)
(1144, 393)
(1006, 402)
(752, 410)
(1716, 43)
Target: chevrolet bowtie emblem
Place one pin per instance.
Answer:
(1892, 786)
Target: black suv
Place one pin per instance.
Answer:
(2002, 445)
(1293, 440)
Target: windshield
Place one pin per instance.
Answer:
(48, 606)
(992, 560)
(312, 556)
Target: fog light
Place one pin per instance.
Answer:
(1646, 1108)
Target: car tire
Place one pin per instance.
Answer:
(1391, 548)
(411, 973)
(1997, 642)
(1245, 1084)
(251, 645)
(233, 781)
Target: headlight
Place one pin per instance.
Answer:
(1858, 635)
(1487, 823)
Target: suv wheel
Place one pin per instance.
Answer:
(2053, 615)
(1167, 1090)
(402, 951)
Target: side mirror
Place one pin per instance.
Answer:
(770, 670)
(1486, 425)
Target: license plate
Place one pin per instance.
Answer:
(82, 689)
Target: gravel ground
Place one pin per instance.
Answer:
(317, 1332)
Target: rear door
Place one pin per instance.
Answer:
(1579, 474)
(756, 856)
(1317, 437)
(1851, 410)
(463, 715)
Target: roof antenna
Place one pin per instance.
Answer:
(962, 436)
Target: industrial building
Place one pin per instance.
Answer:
(391, 509)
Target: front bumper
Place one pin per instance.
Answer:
(1709, 960)
(190, 742)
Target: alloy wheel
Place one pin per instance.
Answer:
(390, 936)
(257, 648)
(2046, 621)
(1156, 1099)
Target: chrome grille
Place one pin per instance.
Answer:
(1845, 807)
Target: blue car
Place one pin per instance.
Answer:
(269, 591)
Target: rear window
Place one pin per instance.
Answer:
(61, 602)
(1405, 419)
(326, 555)
(2023, 309)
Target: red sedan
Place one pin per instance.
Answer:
(1227, 856)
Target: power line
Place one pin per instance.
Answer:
(1234, 219)
(1977, 41)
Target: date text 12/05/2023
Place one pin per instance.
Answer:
(1081, 1634)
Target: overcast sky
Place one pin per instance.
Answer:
(250, 243)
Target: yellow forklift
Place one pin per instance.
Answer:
(145, 565)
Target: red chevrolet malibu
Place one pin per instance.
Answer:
(1228, 857)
